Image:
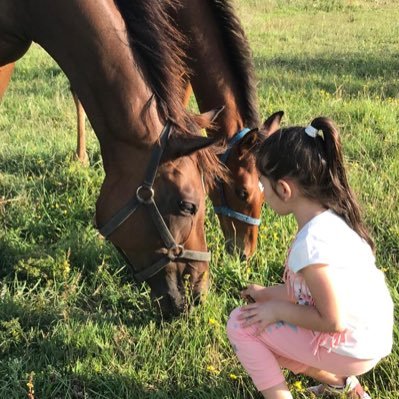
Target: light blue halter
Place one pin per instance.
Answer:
(224, 208)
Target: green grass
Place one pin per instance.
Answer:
(70, 318)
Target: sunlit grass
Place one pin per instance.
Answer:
(72, 325)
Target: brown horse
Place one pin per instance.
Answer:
(222, 74)
(122, 59)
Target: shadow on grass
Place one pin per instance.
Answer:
(72, 354)
(377, 70)
(38, 164)
(125, 387)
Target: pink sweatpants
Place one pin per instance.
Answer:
(288, 346)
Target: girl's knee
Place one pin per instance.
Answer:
(233, 324)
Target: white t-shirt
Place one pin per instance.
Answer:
(363, 294)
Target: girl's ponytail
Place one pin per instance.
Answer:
(312, 156)
(341, 199)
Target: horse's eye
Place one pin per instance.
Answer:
(242, 194)
(188, 207)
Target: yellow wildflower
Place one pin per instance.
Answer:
(297, 385)
(212, 369)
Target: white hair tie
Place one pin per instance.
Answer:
(313, 132)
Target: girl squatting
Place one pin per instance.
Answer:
(332, 319)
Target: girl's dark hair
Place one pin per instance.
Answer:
(316, 164)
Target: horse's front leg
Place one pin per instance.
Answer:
(81, 151)
(5, 76)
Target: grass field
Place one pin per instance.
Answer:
(72, 325)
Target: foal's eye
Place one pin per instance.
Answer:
(187, 207)
(242, 194)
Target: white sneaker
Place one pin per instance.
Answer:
(352, 389)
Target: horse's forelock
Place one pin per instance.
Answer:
(212, 169)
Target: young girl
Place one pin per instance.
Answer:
(332, 319)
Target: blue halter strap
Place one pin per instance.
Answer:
(224, 208)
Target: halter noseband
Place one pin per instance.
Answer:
(224, 209)
(145, 196)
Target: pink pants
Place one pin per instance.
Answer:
(287, 346)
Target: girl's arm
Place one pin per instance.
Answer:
(325, 315)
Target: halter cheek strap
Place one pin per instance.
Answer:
(145, 197)
(224, 209)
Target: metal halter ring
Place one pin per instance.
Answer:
(145, 194)
(175, 252)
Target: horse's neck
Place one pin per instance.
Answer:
(89, 42)
(213, 80)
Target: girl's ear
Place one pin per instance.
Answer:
(284, 190)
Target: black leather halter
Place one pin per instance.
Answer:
(172, 252)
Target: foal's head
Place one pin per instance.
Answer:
(243, 195)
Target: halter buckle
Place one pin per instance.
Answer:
(145, 194)
(175, 252)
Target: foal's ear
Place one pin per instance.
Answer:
(185, 144)
(254, 137)
(272, 123)
(205, 119)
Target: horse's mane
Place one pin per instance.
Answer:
(159, 49)
(241, 61)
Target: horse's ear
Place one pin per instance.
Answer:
(254, 137)
(272, 123)
(182, 145)
(205, 119)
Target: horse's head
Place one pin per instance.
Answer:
(240, 201)
(160, 227)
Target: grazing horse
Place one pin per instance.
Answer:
(221, 73)
(123, 60)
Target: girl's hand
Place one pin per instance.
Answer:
(261, 314)
(251, 293)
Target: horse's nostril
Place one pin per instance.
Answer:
(243, 257)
